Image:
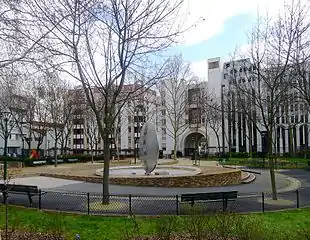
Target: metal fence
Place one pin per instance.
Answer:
(91, 203)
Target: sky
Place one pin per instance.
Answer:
(218, 27)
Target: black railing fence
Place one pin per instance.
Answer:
(91, 203)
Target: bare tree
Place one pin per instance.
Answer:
(20, 35)
(212, 112)
(300, 66)
(104, 41)
(173, 92)
(262, 82)
(92, 132)
(58, 102)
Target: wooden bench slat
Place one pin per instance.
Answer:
(19, 189)
(211, 196)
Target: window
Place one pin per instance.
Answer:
(301, 107)
(163, 112)
(213, 65)
(163, 121)
(78, 141)
(163, 137)
(78, 131)
(163, 130)
(129, 129)
(302, 118)
(225, 76)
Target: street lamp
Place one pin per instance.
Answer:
(136, 133)
(223, 120)
(48, 147)
(5, 116)
(23, 140)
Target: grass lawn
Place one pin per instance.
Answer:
(258, 163)
(277, 225)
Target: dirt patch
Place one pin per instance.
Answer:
(183, 236)
(24, 235)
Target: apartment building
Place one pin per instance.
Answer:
(239, 133)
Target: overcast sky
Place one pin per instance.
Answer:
(221, 26)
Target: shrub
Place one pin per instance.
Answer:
(9, 159)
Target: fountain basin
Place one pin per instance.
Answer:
(172, 176)
(138, 171)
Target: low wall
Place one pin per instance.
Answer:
(228, 177)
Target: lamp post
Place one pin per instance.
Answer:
(223, 120)
(5, 115)
(23, 148)
(23, 140)
(136, 135)
(48, 147)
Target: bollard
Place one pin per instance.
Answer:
(263, 202)
(297, 198)
(40, 199)
(177, 204)
(88, 202)
(130, 205)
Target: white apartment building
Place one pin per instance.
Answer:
(291, 130)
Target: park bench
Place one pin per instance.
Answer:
(30, 191)
(210, 197)
(39, 162)
(72, 160)
(58, 161)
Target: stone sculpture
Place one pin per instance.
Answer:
(148, 147)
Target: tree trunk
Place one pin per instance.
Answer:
(271, 166)
(55, 153)
(291, 142)
(29, 149)
(106, 167)
(250, 140)
(92, 155)
(218, 142)
(62, 148)
(175, 147)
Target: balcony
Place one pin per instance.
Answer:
(195, 125)
(78, 136)
(78, 126)
(78, 146)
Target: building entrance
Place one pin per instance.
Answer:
(192, 142)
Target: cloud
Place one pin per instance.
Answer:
(206, 18)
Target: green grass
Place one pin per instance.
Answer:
(281, 163)
(277, 225)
